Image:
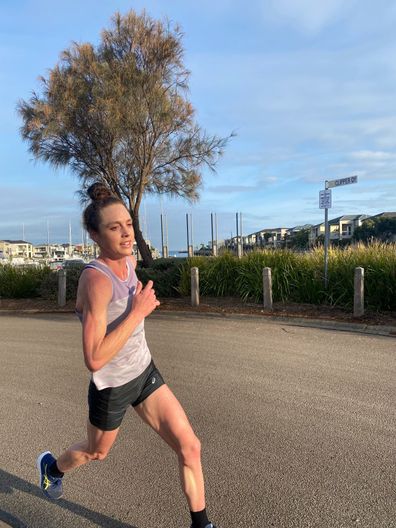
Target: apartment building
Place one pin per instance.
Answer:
(268, 237)
(341, 228)
(16, 249)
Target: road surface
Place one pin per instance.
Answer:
(297, 425)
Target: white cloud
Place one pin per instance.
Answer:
(372, 155)
(309, 16)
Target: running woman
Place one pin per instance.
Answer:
(112, 305)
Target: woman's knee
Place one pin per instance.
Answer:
(190, 449)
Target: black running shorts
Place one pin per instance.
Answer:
(108, 406)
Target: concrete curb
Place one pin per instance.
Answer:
(379, 330)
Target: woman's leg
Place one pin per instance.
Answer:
(163, 412)
(95, 447)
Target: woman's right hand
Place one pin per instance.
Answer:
(144, 301)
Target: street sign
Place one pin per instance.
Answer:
(343, 181)
(325, 199)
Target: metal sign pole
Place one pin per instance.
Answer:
(166, 234)
(325, 203)
(192, 234)
(162, 236)
(326, 241)
(240, 217)
(188, 234)
(211, 225)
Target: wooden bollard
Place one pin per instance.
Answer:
(267, 288)
(194, 286)
(358, 297)
(61, 287)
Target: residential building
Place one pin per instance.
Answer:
(17, 249)
(4, 250)
(45, 251)
(272, 237)
(293, 230)
(341, 228)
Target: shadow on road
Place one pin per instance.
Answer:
(10, 483)
(10, 520)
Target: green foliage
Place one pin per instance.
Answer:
(165, 274)
(379, 263)
(299, 240)
(381, 228)
(296, 277)
(299, 277)
(21, 281)
(185, 274)
(49, 285)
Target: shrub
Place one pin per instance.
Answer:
(165, 275)
(49, 286)
(21, 281)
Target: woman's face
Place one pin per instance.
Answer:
(116, 236)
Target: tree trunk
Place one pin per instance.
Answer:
(141, 243)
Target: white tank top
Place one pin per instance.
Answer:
(134, 357)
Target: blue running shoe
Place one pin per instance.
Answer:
(51, 486)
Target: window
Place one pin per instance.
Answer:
(346, 229)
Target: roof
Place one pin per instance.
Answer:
(300, 227)
(384, 215)
(16, 241)
(344, 217)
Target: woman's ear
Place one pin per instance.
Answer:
(93, 236)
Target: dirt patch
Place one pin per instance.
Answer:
(223, 305)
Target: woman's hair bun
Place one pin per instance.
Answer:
(98, 192)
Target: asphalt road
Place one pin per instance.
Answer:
(297, 424)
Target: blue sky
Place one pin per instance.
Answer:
(309, 88)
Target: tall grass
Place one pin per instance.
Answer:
(296, 277)
(299, 277)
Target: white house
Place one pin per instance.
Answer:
(341, 228)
